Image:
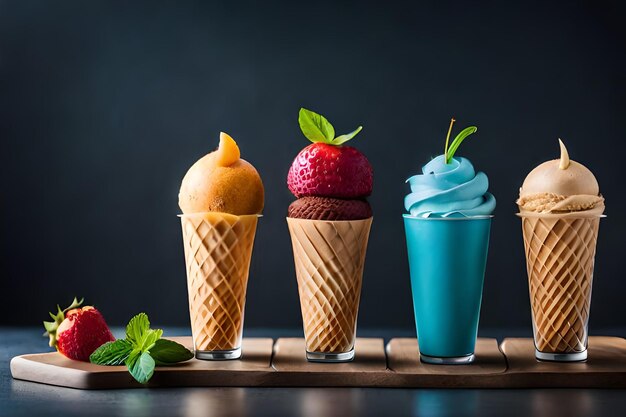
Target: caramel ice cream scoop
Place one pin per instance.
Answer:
(560, 186)
(222, 182)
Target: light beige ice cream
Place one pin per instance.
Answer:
(561, 186)
(560, 208)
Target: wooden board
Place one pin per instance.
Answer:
(604, 368)
(369, 367)
(55, 369)
(268, 364)
(404, 360)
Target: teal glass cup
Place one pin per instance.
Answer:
(447, 260)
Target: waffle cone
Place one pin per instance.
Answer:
(218, 248)
(329, 257)
(560, 252)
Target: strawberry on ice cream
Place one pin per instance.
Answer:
(329, 224)
(331, 180)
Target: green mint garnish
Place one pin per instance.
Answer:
(166, 352)
(451, 150)
(317, 128)
(112, 353)
(141, 367)
(137, 327)
(141, 351)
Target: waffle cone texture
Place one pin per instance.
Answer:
(329, 257)
(560, 252)
(218, 249)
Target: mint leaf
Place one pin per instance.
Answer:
(458, 140)
(136, 328)
(142, 349)
(149, 339)
(112, 353)
(315, 126)
(142, 367)
(167, 352)
(344, 138)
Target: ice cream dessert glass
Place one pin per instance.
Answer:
(329, 225)
(560, 207)
(447, 233)
(221, 197)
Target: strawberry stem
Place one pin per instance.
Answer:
(52, 326)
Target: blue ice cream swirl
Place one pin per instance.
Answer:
(449, 190)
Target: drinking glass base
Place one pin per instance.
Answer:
(561, 357)
(330, 357)
(456, 360)
(218, 355)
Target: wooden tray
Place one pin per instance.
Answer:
(266, 363)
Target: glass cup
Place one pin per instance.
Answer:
(560, 251)
(447, 260)
(218, 250)
(329, 257)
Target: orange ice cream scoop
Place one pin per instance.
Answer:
(222, 182)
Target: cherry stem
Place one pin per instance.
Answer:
(445, 152)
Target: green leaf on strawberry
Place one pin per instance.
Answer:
(318, 129)
(52, 326)
(141, 351)
(344, 138)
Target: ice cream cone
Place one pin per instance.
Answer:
(560, 251)
(218, 248)
(329, 258)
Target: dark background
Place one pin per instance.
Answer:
(104, 106)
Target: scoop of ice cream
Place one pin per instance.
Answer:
(323, 208)
(453, 189)
(223, 182)
(560, 185)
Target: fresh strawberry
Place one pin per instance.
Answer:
(327, 168)
(330, 171)
(77, 332)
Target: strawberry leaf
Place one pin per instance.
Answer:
(315, 127)
(52, 326)
(344, 138)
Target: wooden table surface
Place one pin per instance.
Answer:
(25, 398)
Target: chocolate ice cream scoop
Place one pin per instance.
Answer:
(323, 208)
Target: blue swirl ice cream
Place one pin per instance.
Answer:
(452, 189)
(447, 259)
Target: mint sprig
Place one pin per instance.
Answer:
(141, 351)
(449, 151)
(318, 129)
